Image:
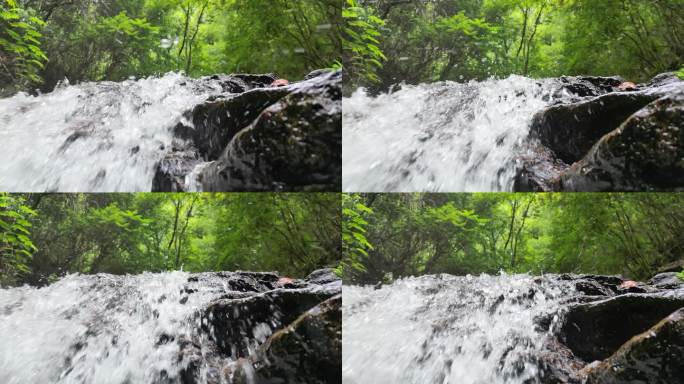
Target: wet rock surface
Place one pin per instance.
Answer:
(654, 356)
(536, 172)
(570, 130)
(308, 350)
(584, 86)
(618, 331)
(265, 329)
(646, 152)
(593, 331)
(259, 136)
(608, 135)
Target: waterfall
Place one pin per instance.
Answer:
(147, 328)
(449, 329)
(94, 137)
(442, 137)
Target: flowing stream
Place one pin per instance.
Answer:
(93, 136)
(108, 329)
(449, 137)
(448, 329)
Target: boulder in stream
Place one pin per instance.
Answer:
(259, 137)
(309, 350)
(604, 137)
(267, 329)
(667, 280)
(588, 86)
(608, 335)
(294, 145)
(593, 331)
(644, 153)
(570, 130)
(653, 357)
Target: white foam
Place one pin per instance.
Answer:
(448, 137)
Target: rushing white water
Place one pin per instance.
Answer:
(95, 329)
(448, 329)
(93, 136)
(114, 329)
(447, 136)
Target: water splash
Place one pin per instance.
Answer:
(130, 329)
(94, 137)
(447, 136)
(98, 329)
(448, 329)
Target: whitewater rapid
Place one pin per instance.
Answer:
(441, 137)
(100, 329)
(449, 329)
(94, 137)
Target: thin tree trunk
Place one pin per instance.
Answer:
(179, 238)
(185, 30)
(194, 36)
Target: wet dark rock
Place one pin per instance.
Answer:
(593, 288)
(638, 287)
(611, 282)
(645, 153)
(595, 330)
(322, 276)
(171, 171)
(558, 365)
(258, 137)
(231, 323)
(247, 282)
(216, 123)
(587, 86)
(537, 173)
(309, 350)
(239, 83)
(570, 130)
(317, 73)
(606, 136)
(294, 145)
(263, 330)
(257, 81)
(653, 357)
(666, 280)
(607, 335)
(664, 79)
(191, 355)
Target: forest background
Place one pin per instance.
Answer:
(45, 236)
(417, 41)
(42, 42)
(389, 236)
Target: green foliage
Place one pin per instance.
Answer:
(89, 40)
(362, 55)
(633, 38)
(289, 37)
(681, 73)
(21, 56)
(681, 275)
(16, 247)
(629, 234)
(427, 41)
(355, 245)
(125, 43)
(131, 233)
(291, 233)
